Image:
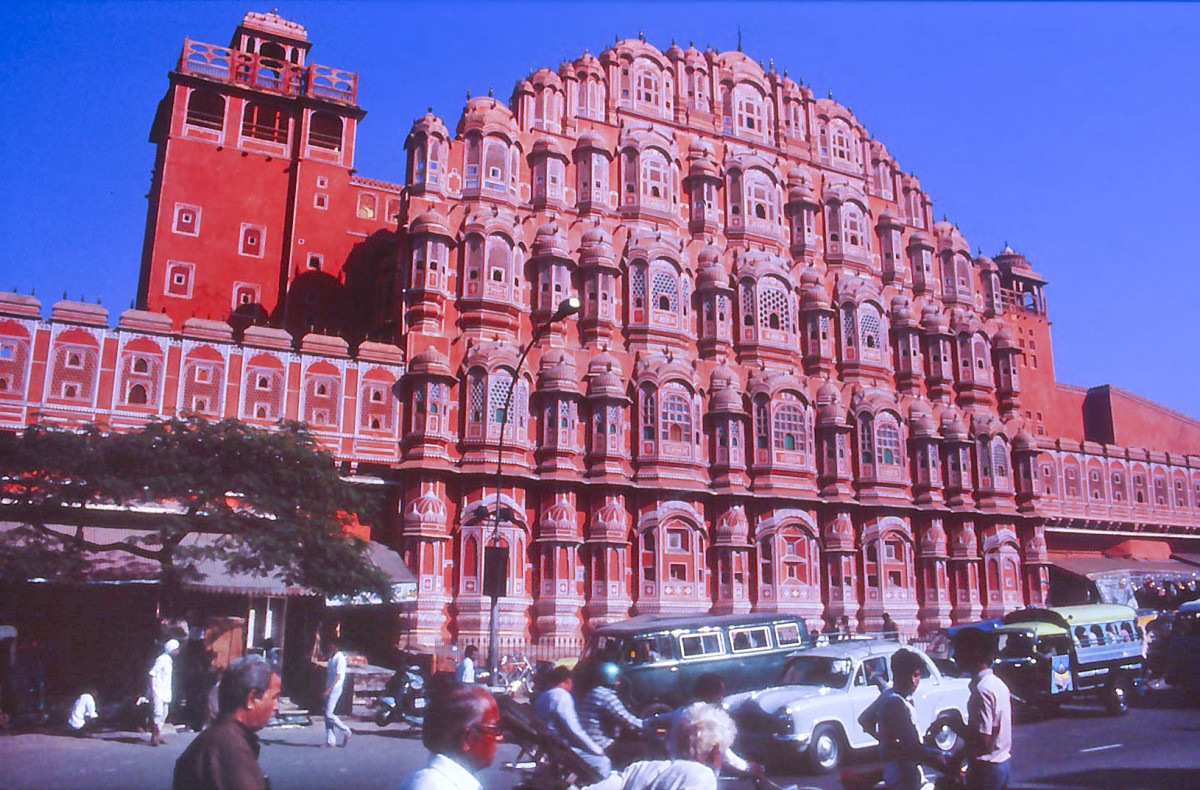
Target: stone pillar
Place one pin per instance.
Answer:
(1002, 577)
(559, 577)
(606, 551)
(841, 569)
(964, 573)
(731, 549)
(1037, 566)
(425, 546)
(934, 581)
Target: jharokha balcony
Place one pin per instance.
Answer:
(265, 73)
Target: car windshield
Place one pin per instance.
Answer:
(818, 671)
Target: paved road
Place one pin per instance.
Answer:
(1152, 748)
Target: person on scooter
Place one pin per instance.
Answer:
(555, 708)
(605, 718)
(891, 720)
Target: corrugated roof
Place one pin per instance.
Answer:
(1097, 565)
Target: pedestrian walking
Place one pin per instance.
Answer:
(890, 629)
(225, 756)
(162, 682)
(465, 672)
(988, 732)
(461, 732)
(335, 680)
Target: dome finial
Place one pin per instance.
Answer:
(739, 38)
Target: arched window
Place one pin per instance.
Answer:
(137, 395)
(664, 290)
(749, 110)
(888, 443)
(853, 226)
(495, 164)
(656, 187)
(775, 310)
(649, 414)
(870, 332)
(789, 426)
(676, 418)
(761, 422)
(999, 458)
(647, 94)
(866, 440)
(140, 365)
(325, 131)
(264, 122)
(206, 109)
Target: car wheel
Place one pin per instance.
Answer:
(944, 737)
(383, 716)
(825, 750)
(1116, 697)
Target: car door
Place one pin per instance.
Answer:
(869, 679)
(928, 696)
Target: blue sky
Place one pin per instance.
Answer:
(1067, 130)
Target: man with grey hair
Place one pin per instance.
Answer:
(698, 741)
(225, 756)
(461, 732)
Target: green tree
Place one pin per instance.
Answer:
(269, 503)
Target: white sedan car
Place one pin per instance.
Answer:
(814, 713)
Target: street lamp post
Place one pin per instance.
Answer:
(497, 564)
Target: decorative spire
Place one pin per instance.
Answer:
(739, 38)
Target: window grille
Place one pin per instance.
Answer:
(889, 443)
(676, 419)
(775, 312)
(664, 291)
(789, 427)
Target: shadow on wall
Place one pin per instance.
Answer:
(355, 307)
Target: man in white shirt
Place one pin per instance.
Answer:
(555, 708)
(989, 713)
(698, 741)
(335, 680)
(461, 732)
(466, 668)
(83, 714)
(162, 681)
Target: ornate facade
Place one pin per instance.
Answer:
(788, 387)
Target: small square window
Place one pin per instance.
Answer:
(253, 238)
(203, 375)
(322, 182)
(70, 391)
(314, 261)
(264, 383)
(321, 201)
(366, 206)
(178, 280)
(187, 220)
(199, 404)
(678, 572)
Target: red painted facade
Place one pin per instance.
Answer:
(787, 388)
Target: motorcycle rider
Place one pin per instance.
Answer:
(555, 708)
(605, 718)
(891, 720)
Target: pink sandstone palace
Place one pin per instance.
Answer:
(787, 388)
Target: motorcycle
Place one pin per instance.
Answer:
(403, 699)
(545, 762)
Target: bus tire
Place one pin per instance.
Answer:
(1117, 696)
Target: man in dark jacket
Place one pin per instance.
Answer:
(225, 756)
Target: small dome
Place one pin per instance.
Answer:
(589, 63)
(712, 276)
(952, 425)
(902, 315)
(933, 321)
(429, 223)
(985, 263)
(700, 148)
(610, 518)
(919, 238)
(920, 420)
(427, 509)
(888, 219)
(674, 52)
(549, 241)
(727, 401)
(429, 362)
(732, 527)
(604, 377)
(559, 517)
(547, 146)
(429, 124)
(590, 139)
(558, 375)
(1012, 259)
(708, 256)
(1024, 442)
(1002, 339)
(595, 235)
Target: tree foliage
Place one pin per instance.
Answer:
(269, 502)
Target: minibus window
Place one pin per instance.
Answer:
(787, 634)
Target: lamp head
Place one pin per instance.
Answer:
(567, 307)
